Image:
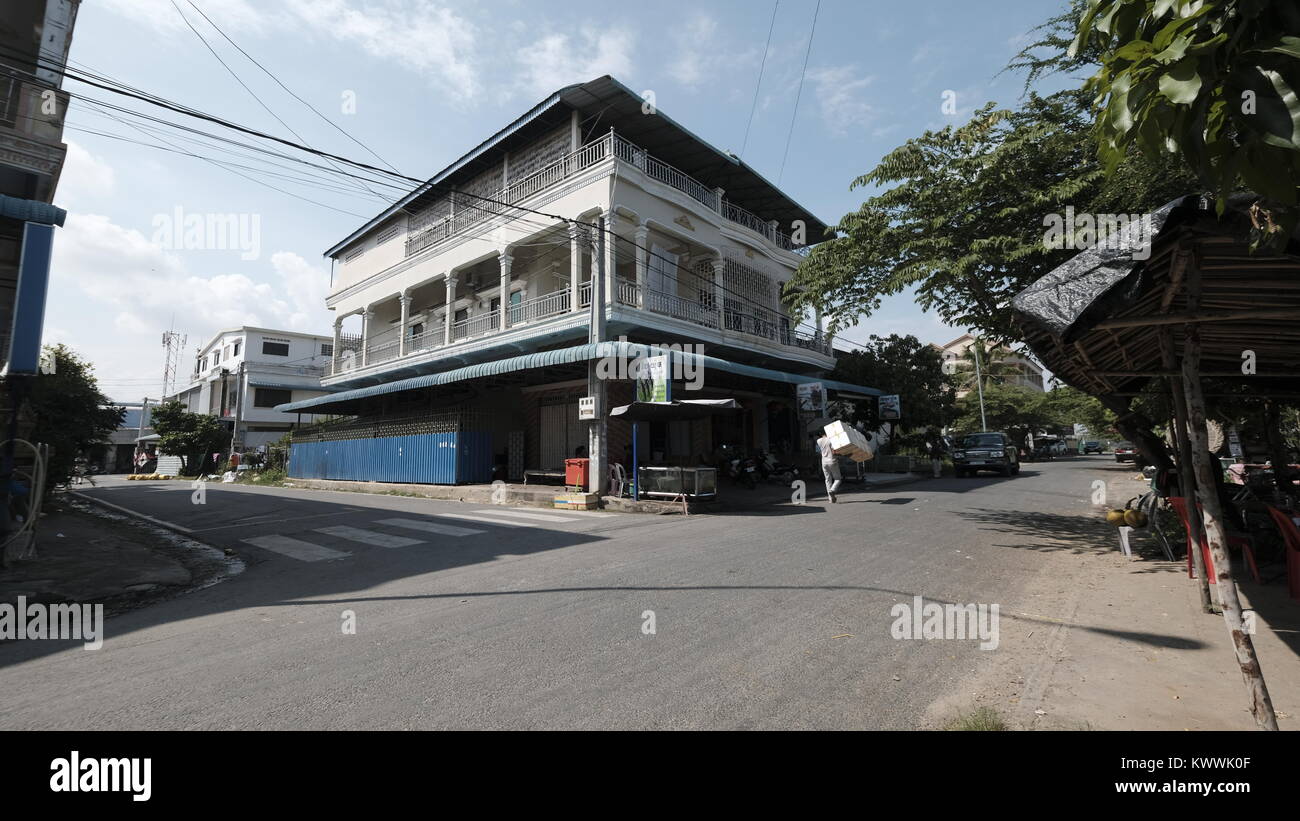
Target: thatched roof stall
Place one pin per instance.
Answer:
(1180, 297)
(1097, 321)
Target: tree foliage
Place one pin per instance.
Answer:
(1213, 82)
(905, 366)
(191, 436)
(962, 214)
(70, 413)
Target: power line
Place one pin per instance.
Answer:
(759, 83)
(795, 114)
(121, 89)
(233, 73)
(330, 122)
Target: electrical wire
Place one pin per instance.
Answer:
(802, 72)
(759, 83)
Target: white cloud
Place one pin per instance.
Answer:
(431, 39)
(160, 15)
(839, 95)
(559, 59)
(85, 177)
(697, 58)
(117, 291)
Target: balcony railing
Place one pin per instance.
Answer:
(475, 326)
(758, 323)
(426, 231)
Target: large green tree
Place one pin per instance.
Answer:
(1213, 83)
(69, 412)
(960, 213)
(191, 436)
(905, 366)
(1013, 409)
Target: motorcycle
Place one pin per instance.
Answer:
(772, 470)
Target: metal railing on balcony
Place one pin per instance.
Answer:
(540, 307)
(475, 326)
(425, 231)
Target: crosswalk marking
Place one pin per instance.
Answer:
(492, 520)
(356, 534)
(296, 548)
(542, 517)
(430, 527)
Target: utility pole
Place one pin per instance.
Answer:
(239, 406)
(144, 412)
(979, 384)
(596, 443)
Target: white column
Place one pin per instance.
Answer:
(405, 300)
(451, 309)
(611, 240)
(575, 267)
(720, 194)
(505, 260)
(642, 263)
(366, 317)
(334, 358)
(718, 265)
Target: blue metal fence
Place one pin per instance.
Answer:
(426, 458)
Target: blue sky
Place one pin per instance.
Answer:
(429, 81)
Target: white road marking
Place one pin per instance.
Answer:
(541, 517)
(295, 548)
(430, 527)
(356, 534)
(488, 519)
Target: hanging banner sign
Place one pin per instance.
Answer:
(889, 408)
(652, 380)
(811, 397)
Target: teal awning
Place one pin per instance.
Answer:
(31, 211)
(566, 356)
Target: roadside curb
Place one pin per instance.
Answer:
(175, 528)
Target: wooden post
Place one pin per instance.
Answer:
(1186, 478)
(1261, 706)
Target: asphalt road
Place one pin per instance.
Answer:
(491, 617)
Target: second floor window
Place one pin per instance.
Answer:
(270, 397)
(270, 348)
(327, 349)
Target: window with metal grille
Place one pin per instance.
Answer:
(326, 349)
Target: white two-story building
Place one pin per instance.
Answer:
(242, 374)
(466, 306)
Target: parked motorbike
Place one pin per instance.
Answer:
(772, 470)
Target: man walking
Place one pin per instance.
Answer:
(830, 464)
(934, 444)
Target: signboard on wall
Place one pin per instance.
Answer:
(811, 397)
(889, 408)
(652, 380)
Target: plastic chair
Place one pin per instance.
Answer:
(1290, 535)
(1240, 542)
(617, 478)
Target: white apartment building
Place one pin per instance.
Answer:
(456, 303)
(242, 374)
(1026, 372)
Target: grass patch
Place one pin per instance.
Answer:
(984, 719)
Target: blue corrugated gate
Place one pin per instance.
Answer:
(426, 458)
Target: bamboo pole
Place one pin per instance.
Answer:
(1261, 706)
(1186, 480)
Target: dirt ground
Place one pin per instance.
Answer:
(1108, 642)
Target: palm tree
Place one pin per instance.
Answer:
(994, 365)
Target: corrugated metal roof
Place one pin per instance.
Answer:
(564, 356)
(606, 101)
(31, 211)
(288, 386)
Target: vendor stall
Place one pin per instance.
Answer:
(672, 481)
